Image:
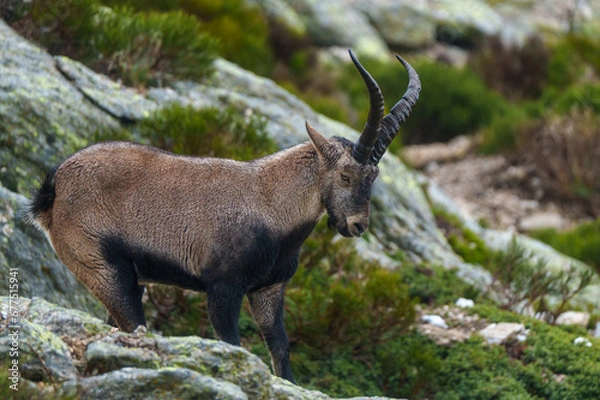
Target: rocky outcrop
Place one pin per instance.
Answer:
(72, 354)
(420, 24)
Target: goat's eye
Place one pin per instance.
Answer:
(345, 178)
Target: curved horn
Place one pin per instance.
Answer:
(363, 149)
(398, 114)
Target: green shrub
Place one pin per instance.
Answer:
(552, 349)
(241, 28)
(211, 132)
(338, 301)
(582, 243)
(137, 47)
(436, 285)
(573, 98)
(504, 130)
(154, 46)
(523, 280)
(570, 57)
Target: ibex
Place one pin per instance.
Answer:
(120, 215)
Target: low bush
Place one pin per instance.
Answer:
(564, 152)
(582, 243)
(226, 133)
(522, 280)
(137, 47)
(241, 28)
(435, 285)
(504, 130)
(570, 57)
(577, 98)
(517, 72)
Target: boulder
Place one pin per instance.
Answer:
(542, 220)
(161, 384)
(502, 332)
(334, 23)
(282, 14)
(44, 117)
(402, 24)
(579, 318)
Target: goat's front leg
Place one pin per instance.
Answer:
(224, 303)
(267, 309)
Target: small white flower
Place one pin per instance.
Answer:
(582, 341)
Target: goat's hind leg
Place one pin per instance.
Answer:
(111, 321)
(115, 284)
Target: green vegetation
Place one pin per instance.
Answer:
(241, 29)
(214, 132)
(582, 243)
(518, 277)
(137, 47)
(464, 241)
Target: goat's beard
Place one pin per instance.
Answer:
(332, 222)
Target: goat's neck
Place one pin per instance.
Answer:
(291, 186)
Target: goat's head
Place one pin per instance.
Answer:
(349, 169)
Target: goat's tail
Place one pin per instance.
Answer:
(42, 200)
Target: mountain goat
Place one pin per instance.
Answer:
(120, 215)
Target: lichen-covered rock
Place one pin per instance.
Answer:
(86, 359)
(334, 23)
(64, 321)
(402, 24)
(42, 355)
(161, 384)
(122, 103)
(43, 117)
(282, 14)
(102, 357)
(230, 363)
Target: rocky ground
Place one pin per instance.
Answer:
(493, 189)
(66, 353)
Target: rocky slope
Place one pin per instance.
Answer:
(52, 106)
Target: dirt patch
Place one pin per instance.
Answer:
(503, 194)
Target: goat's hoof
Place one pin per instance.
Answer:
(141, 329)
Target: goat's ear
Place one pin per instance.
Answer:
(319, 141)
